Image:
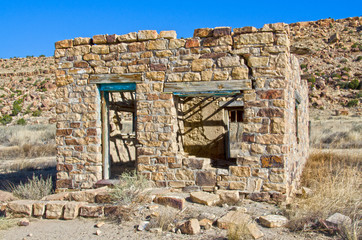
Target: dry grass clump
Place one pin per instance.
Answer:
(36, 188)
(27, 141)
(239, 232)
(165, 219)
(130, 188)
(336, 134)
(336, 184)
(6, 223)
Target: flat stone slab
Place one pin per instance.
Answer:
(71, 210)
(61, 196)
(238, 217)
(190, 227)
(171, 201)
(273, 221)
(7, 196)
(39, 208)
(204, 198)
(21, 207)
(228, 196)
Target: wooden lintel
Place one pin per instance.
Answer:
(231, 85)
(115, 78)
(231, 103)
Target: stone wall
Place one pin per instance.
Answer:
(268, 157)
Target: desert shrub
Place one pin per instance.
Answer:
(129, 188)
(5, 119)
(21, 121)
(17, 107)
(36, 188)
(303, 66)
(239, 232)
(352, 103)
(335, 182)
(353, 84)
(359, 58)
(311, 79)
(36, 113)
(165, 218)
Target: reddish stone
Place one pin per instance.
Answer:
(161, 160)
(181, 69)
(71, 142)
(111, 38)
(152, 96)
(270, 94)
(136, 47)
(192, 42)
(165, 96)
(143, 61)
(248, 138)
(64, 132)
(91, 132)
(277, 196)
(259, 196)
(110, 57)
(213, 55)
(171, 201)
(271, 112)
(210, 42)
(272, 161)
(81, 64)
(64, 183)
(205, 178)
(203, 32)
(158, 67)
(256, 104)
(78, 148)
(219, 32)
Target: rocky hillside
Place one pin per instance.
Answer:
(330, 56)
(329, 51)
(27, 90)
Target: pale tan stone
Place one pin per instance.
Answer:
(258, 61)
(91, 56)
(237, 185)
(71, 210)
(273, 221)
(168, 34)
(199, 65)
(220, 75)
(64, 44)
(100, 39)
(81, 41)
(144, 35)
(205, 198)
(119, 69)
(174, 77)
(228, 196)
(155, 76)
(21, 207)
(229, 61)
(240, 73)
(240, 171)
(163, 54)
(206, 75)
(176, 43)
(129, 37)
(238, 217)
(100, 49)
(39, 208)
(159, 44)
(190, 76)
(54, 209)
(254, 38)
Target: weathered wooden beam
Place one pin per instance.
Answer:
(105, 135)
(207, 94)
(184, 87)
(231, 103)
(115, 78)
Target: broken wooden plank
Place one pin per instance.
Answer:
(207, 94)
(115, 78)
(105, 135)
(232, 85)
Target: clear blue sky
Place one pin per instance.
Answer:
(30, 27)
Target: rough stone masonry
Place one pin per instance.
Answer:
(246, 77)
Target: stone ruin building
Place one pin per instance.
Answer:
(222, 110)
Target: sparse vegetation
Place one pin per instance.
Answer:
(129, 188)
(5, 119)
(21, 121)
(352, 103)
(36, 188)
(6, 223)
(36, 113)
(335, 181)
(239, 232)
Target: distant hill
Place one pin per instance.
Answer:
(329, 51)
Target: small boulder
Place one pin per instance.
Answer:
(238, 217)
(143, 225)
(228, 196)
(205, 198)
(205, 223)
(190, 227)
(171, 201)
(338, 219)
(273, 221)
(23, 222)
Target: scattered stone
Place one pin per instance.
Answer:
(23, 222)
(100, 224)
(205, 198)
(273, 221)
(190, 227)
(238, 217)
(338, 219)
(30, 235)
(205, 223)
(207, 215)
(171, 201)
(307, 192)
(254, 230)
(142, 226)
(98, 232)
(260, 196)
(156, 230)
(228, 196)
